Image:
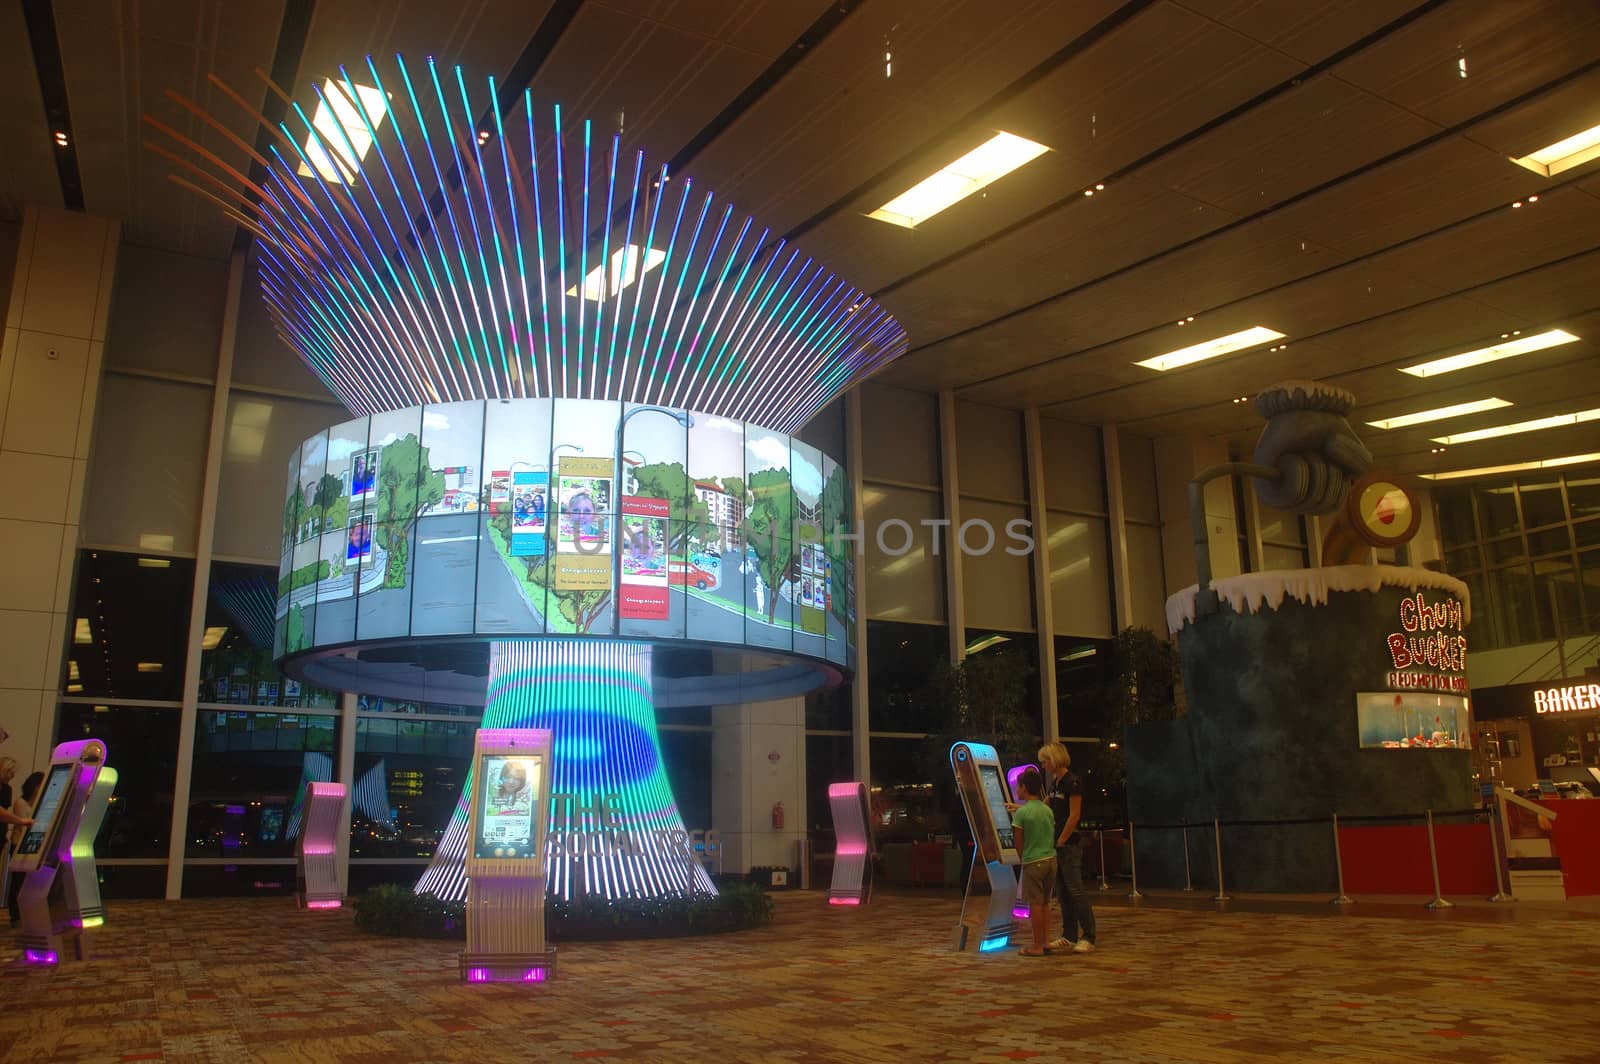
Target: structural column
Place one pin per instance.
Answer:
(50, 362)
(950, 479)
(860, 716)
(758, 758)
(1043, 620)
(200, 594)
(1116, 528)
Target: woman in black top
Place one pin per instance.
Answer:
(1065, 798)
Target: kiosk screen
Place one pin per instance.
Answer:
(505, 811)
(55, 788)
(994, 792)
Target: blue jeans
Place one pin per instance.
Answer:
(1077, 916)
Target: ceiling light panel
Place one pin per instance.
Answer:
(979, 168)
(1522, 345)
(1563, 155)
(1517, 467)
(1555, 421)
(624, 271)
(1421, 417)
(342, 139)
(1222, 345)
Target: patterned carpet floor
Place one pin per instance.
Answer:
(257, 980)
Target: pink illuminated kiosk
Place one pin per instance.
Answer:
(505, 861)
(852, 860)
(984, 795)
(319, 846)
(61, 897)
(1019, 908)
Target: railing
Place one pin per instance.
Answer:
(1384, 861)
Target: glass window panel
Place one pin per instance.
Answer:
(1147, 588)
(1586, 533)
(900, 435)
(1274, 556)
(130, 625)
(401, 801)
(1508, 549)
(1080, 593)
(906, 805)
(236, 656)
(1550, 541)
(444, 574)
(1557, 601)
(1516, 611)
(142, 745)
(1480, 631)
(1455, 516)
(1541, 502)
(134, 501)
(686, 756)
(167, 313)
(262, 432)
(1138, 458)
(1583, 496)
(1074, 469)
(989, 451)
(1589, 576)
(904, 658)
(904, 578)
(1463, 559)
(1497, 507)
(247, 801)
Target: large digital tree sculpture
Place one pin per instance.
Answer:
(495, 292)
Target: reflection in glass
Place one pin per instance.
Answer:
(130, 623)
(1514, 606)
(236, 659)
(142, 744)
(249, 777)
(1497, 507)
(409, 775)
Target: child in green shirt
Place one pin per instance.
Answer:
(1034, 827)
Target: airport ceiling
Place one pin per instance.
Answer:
(1336, 170)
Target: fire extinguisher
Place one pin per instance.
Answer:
(777, 817)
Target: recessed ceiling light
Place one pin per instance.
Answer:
(72, 671)
(624, 271)
(213, 637)
(150, 666)
(155, 563)
(81, 635)
(1555, 421)
(61, 139)
(1518, 467)
(1477, 406)
(1563, 154)
(340, 130)
(74, 688)
(1222, 345)
(1468, 359)
(980, 167)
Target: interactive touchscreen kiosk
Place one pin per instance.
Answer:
(852, 857)
(984, 796)
(319, 846)
(60, 898)
(506, 869)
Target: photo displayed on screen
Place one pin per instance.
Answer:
(360, 534)
(507, 789)
(55, 789)
(994, 792)
(1413, 721)
(363, 474)
(530, 510)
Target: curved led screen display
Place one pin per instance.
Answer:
(520, 517)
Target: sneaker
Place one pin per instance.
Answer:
(1083, 946)
(1063, 945)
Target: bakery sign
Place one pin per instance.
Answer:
(1429, 653)
(1576, 698)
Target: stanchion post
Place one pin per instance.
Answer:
(1500, 892)
(1438, 901)
(1188, 880)
(1100, 836)
(1216, 832)
(1338, 868)
(1133, 864)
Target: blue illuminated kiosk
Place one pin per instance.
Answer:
(574, 488)
(60, 899)
(984, 795)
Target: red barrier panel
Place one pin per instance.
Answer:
(1575, 836)
(1393, 859)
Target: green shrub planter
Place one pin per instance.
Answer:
(398, 913)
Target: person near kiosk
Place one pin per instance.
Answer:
(1064, 795)
(1032, 824)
